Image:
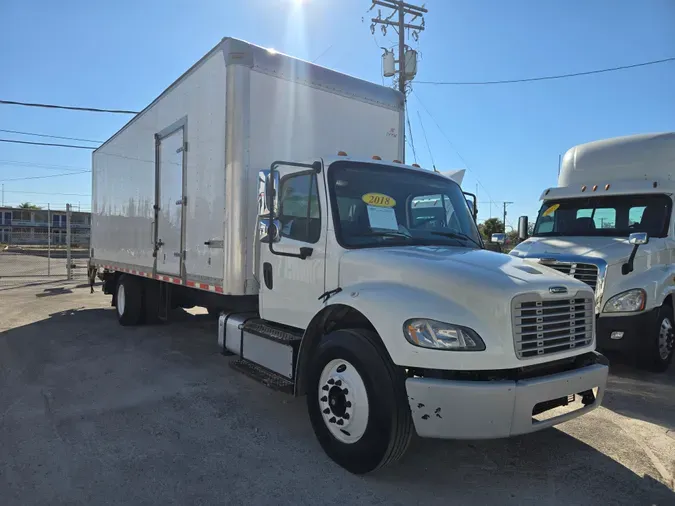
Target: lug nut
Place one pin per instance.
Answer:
(326, 411)
(348, 404)
(325, 387)
(340, 422)
(331, 381)
(332, 420)
(346, 416)
(324, 398)
(338, 383)
(345, 391)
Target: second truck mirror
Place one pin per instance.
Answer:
(498, 238)
(523, 225)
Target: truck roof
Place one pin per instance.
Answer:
(270, 61)
(632, 157)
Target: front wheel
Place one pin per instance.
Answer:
(658, 354)
(357, 401)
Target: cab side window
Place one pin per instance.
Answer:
(299, 210)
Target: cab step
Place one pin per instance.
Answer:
(273, 348)
(265, 376)
(282, 336)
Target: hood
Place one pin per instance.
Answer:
(440, 267)
(609, 249)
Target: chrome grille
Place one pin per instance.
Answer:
(544, 326)
(588, 273)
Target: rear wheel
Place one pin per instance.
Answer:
(129, 300)
(357, 401)
(658, 353)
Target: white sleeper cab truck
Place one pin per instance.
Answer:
(268, 190)
(609, 223)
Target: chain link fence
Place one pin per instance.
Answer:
(43, 243)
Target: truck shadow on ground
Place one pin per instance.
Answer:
(641, 394)
(154, 390)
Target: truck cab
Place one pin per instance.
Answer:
(609, 223)
(403, 320)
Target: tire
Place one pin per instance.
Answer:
(376, 423)
(129, 296)
(658, 354)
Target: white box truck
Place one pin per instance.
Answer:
(268, 190)
(609, 223)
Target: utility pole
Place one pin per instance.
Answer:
(505, 204)
(68, 238)
(400, 26)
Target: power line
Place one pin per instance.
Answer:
(412, 142)
(45, 177)
(49, 136)
(73, 146)
(451, 144)
(50, 193)
(548, 78)
(42, 165)
(67, 107)
(433, 163)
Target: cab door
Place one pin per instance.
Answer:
(293, 248)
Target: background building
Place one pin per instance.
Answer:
(32, 227)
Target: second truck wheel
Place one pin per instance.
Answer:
(129, 299)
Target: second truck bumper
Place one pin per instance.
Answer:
(451, 409)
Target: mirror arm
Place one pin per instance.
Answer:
(627, 268)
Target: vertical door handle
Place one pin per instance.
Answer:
(267, 275)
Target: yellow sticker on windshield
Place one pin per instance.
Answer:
(378, 200)
(551, 209)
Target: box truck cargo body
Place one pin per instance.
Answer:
(272, 191)
(205, 139)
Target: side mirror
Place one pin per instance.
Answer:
(638, 238)
(472, 202)
(522, 228)
(498, 238)
(269, 232)
(266, 191)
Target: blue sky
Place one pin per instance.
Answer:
(123, 54)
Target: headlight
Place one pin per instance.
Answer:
(442, 336)
(627, 302)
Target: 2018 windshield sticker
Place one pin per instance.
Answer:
(551, 210)
(378, 200)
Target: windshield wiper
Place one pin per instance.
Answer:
(458, 235)
(390, 233)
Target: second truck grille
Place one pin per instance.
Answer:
(588, 273)
(542, 327)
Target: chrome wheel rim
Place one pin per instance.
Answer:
(665, 339)
(343, 401)
(120, 300)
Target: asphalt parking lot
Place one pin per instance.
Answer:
(94, 413)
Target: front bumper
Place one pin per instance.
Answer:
(635, 329)
(456, 409)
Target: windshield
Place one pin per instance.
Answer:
(617, 216)
(377, 205)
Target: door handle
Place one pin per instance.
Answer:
(152, 232)
(267, 275)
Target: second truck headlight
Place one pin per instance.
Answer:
(442, 336)
(627, 302)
